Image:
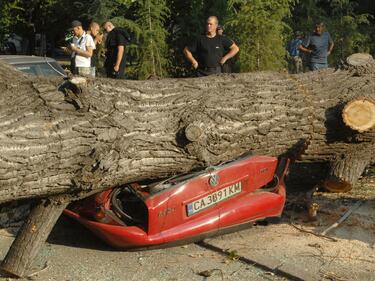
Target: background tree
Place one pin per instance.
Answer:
(219, 8)
(101, 10)
(153, 48)
(8, 17)
(258, 27)
(184, 24)
(347, 28)
(348, 22)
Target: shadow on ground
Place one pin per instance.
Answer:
(70, 233)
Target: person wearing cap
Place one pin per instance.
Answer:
(117, 39)
(319, 46)
(210, 50)
(295, 60)
(81, 50)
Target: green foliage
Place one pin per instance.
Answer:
(161, 28)
(185, 23)
(349, 29)
(219, 8)
(258, 27)
(8, 16)
(305, 13)
(153, 49)
(345, 26)
(102, 10)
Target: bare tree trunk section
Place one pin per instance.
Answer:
(359, 114)
(347, 168)
(32, 236)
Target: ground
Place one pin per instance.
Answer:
(289, 250)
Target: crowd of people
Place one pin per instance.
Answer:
(210, 53)
(83, 49)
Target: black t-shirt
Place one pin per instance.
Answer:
(210, 51)
(114, 39)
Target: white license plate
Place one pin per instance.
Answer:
(213, 198)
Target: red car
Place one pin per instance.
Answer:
(188, 207)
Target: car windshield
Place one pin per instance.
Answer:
(30, 69)
(41, 69)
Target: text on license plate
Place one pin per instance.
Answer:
(213, 198)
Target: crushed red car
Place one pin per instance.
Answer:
(188, 207)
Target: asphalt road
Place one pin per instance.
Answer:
(73, 253)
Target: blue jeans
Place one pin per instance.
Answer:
(317, 66)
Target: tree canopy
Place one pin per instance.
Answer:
(160, 29)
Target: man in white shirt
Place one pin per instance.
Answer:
(81, 50)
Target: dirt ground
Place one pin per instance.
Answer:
(290, 250)
(345, 253)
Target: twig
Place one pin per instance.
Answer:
(344, 217)
(313, 233)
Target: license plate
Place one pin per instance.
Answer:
(213, 198)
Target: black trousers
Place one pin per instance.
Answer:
(208, 71)
(111, 73)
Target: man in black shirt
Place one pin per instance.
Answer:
(115, 54)
(209, 49)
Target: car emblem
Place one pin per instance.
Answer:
(214, 180)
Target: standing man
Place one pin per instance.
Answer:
(81, 50)
(97, 36)
(210, 50)
(295, 60)
(319, 46)
(115, 54)
(94, 31)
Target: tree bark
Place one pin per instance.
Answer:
(62, 138)
(80, 137)
(32, 236)
(347, 168)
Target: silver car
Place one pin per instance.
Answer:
(39, 66)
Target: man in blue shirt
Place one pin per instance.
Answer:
(295, 61)
(319, 45)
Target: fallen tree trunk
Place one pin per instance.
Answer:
(112, 132)
(79, 137)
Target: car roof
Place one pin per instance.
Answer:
(17, 59)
